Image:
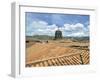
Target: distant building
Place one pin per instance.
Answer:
(58, 34)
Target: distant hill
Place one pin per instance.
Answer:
(46, 37)
(40, 37)
(81, 39)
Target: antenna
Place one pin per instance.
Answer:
(58, 27)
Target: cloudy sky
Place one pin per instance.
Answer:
(48, 23)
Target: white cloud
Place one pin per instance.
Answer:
(79, 34)
(39, 24)
(42, 28)
(74, 27)
(77, 29)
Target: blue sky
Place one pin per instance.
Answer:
(48, 23)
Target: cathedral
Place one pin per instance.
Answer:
(58, 34)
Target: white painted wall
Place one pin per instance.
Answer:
(5, 40)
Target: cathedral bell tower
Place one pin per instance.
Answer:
(58, 34)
